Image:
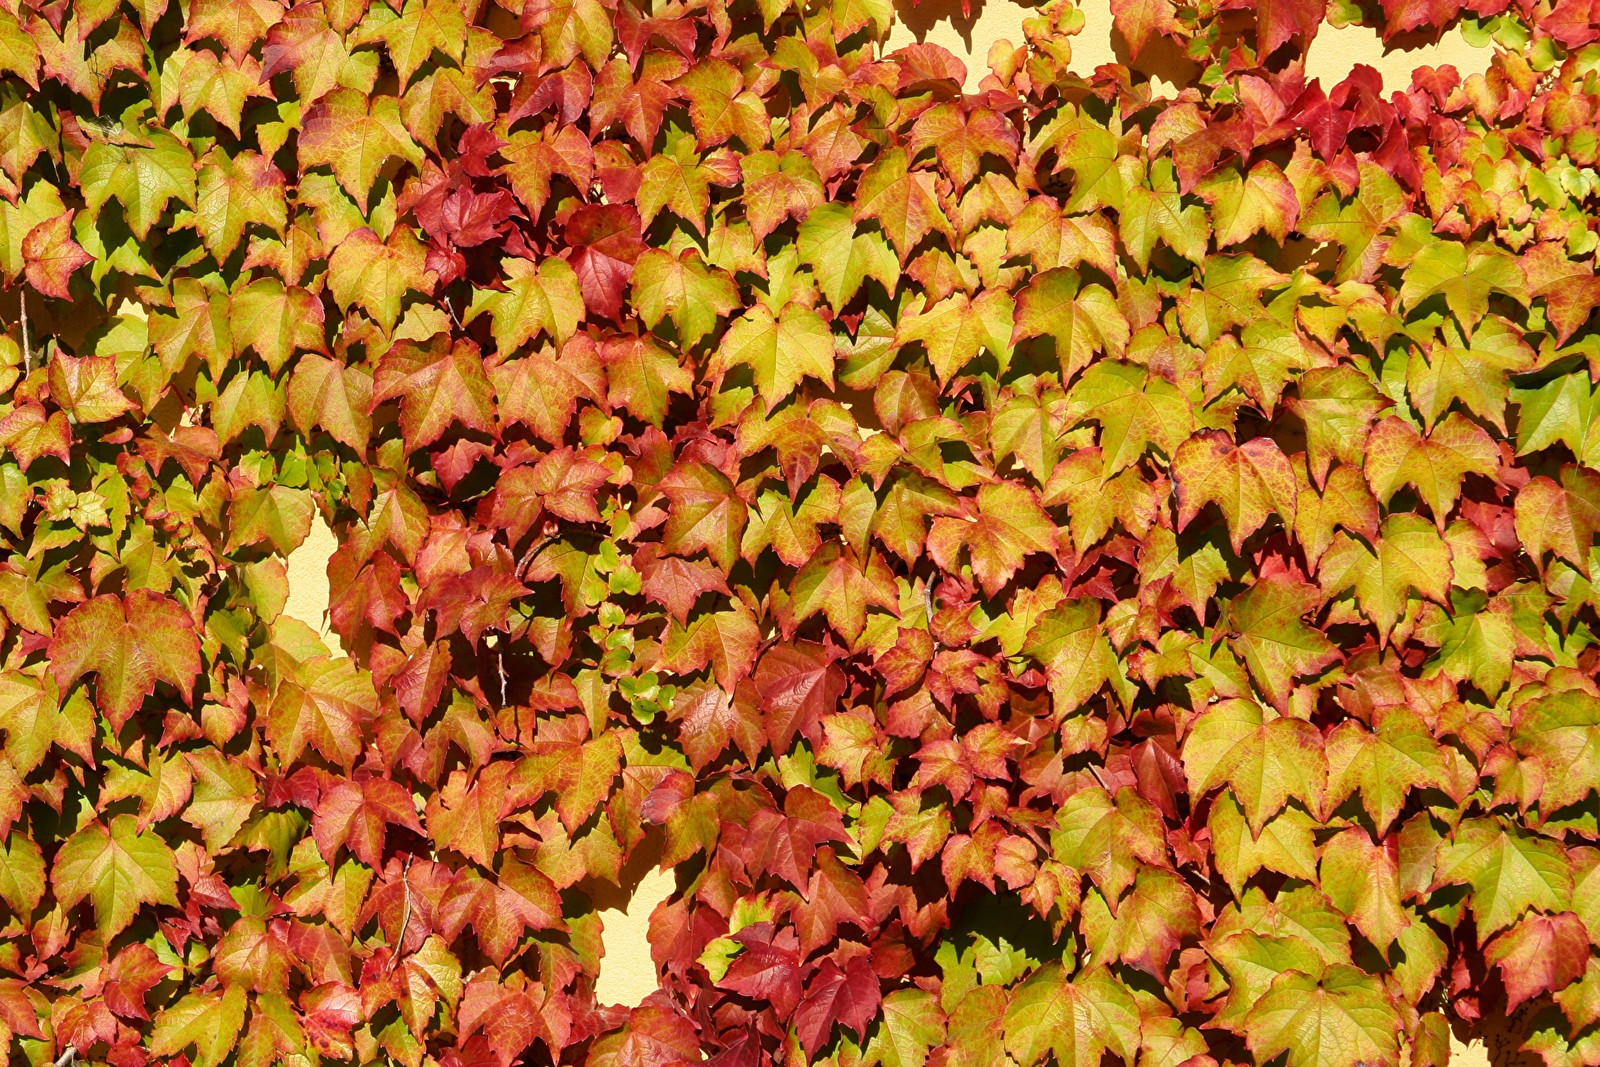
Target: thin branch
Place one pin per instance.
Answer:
(27, 347)
(405, 917)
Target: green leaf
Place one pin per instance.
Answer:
(1509, 869)
(683, 288)
(544, 299)
(1076, 1020)
(1135, 409)
(1409, 556)
(144, 179)
(1362, 880)
(1264, 760)
(210, 1022)
(911, 1024)
(1341, 1019)
(119, 869)
(1464, 277)
(780, 349)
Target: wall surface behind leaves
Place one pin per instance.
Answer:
(628, 974)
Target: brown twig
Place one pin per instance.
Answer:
(27, 347)
(405, 917)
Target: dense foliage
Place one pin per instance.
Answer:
(1061, 575)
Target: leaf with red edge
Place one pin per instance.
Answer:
(1140, 20)
(901, 200)
(1000, 527)
(356, 814)
(605, 241)
(356, 136)
(1249, 483)
(848, 996)
(50, 256)
(129, 645)
(439, 384)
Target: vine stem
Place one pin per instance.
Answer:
(405, 917)
(27, 347)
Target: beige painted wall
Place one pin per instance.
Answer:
(628, 975)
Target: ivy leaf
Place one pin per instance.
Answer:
(1249, 482)
(1380, 766)
(129, 644)
(375, 275)
(1476, 376)
(606, 242)
(1560, 734)
(1408, 555)
(1362, 880)
(356, 136)
(356, 814)
(721, 107)
(547, 299)
(1081, 319)
(118, 868)
(1259, 365)
(1341, 1019)
(1561, 410)
(999, 528)
(684, 289)
(22, 881)
(849, 996)
(902, 200)
(1560, 517)
(234, 192)
(1286, 844)
(1262, 201)
(1541, 954)
(957, 329)
(1135, 409)
(323, 704)
(1268, 632)
(424, 27)
(841, 257)
(438, 384)
(960, 138)
(208, 1021)
(1337, 406)
(842, 587)
(50, 256)
(337, 398)
(911, 1024)
(1264, 760)
(87, 387)
(1072, 646)
(1140, 20)
(780, 349)
(1077, 1020)
(144, 179)
(1464, 277)
(1434, 465)
(1509, 869)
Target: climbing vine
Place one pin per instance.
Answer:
(1061, 571)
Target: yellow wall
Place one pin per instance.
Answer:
(628, 974)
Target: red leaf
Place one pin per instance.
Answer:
(50, 256)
